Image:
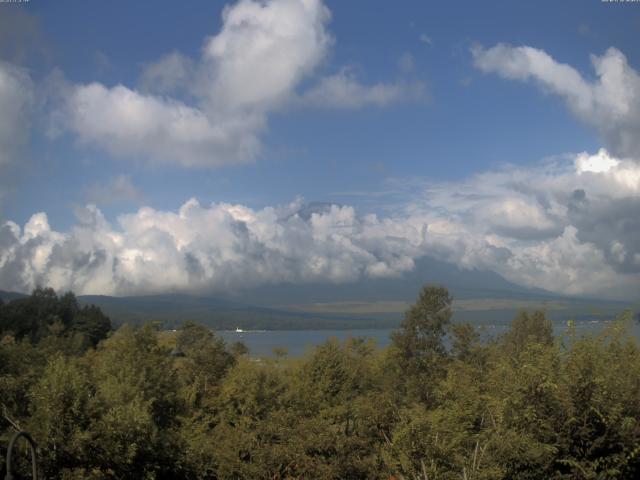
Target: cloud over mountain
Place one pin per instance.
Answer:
(219, 246)
(570, 226)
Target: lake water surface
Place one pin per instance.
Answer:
(297, 342)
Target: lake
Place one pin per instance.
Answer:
(297, 342)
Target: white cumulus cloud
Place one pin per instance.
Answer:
(610, 103)
(212, 111)
(549, 226)
(129, 123)
(555, 225)
(215, 247)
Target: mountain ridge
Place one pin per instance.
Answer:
(380, 302)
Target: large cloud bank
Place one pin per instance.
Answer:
(611, 103)
(212, 111)
(570, 226)
(218, 246)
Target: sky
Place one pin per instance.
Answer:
(148, 147)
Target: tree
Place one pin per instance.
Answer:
(138, 404)
(205, 362)
(418, 344)
(527, 329)
(44, 314)
(61, 415)
(91, 323)
(466, 345)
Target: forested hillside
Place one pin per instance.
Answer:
(141, 403)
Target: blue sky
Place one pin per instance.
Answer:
(431, 106)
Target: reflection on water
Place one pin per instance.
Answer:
(262, 343)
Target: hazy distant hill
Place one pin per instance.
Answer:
(479, 297)
(463, 284)
(8, 296)
(174, 309)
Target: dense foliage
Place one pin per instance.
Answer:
(148, 404)
(44, 315)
